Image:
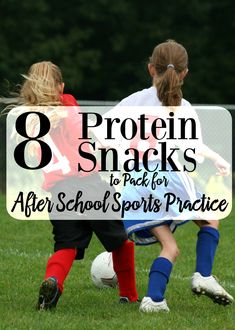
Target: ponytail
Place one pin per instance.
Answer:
(169, 60)
(169, 88)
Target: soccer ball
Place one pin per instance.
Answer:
(102, 272)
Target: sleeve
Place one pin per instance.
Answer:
(72, 123)
(100, 131)
(68, 100)
(119, 113)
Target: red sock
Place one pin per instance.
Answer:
(124, 266)
(59, 265)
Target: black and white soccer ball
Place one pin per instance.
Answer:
(102, 272)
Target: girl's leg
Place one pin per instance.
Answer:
(207, 242)
(162, 266)
(58, 267)
(124, 266)
(160, 271)
(202, 281)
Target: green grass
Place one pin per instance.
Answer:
(25, 247)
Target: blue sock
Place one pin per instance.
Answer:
(208, 239)
(158, 278)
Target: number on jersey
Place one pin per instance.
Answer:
(62, 162)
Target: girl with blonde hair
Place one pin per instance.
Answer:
(44, 87)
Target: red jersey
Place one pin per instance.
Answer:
(64, 142)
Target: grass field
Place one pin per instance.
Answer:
(25, 247)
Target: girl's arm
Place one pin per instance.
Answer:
(220, 163)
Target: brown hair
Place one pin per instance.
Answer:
(169, 60)
(41, 86)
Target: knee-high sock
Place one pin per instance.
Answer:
(124, 266)
(207, 242)
(158, 278)
(59, 265)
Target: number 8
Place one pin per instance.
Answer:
(44, 126)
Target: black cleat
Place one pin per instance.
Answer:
(125, 300)
(49, 294)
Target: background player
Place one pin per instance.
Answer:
(44, 87)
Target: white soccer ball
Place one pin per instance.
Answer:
(102, 272)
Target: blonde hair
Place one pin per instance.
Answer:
(41, 86)
(42, 89)
(169, 60)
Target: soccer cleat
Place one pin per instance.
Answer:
(49, 294)
(210, 287)
(126, 300)
(148, 306)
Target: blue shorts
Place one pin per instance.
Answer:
(138, 223)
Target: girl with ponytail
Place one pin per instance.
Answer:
(168, 67)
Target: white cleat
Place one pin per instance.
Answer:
(148, 305)
(210, 287)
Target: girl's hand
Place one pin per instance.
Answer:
(222, 166)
